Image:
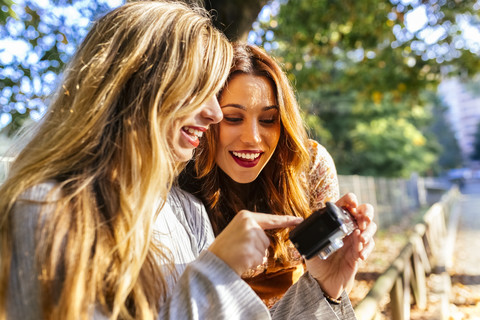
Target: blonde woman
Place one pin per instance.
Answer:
(259, 158)
(90, 227)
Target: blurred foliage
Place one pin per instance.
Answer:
(6, 10)
(441, 132)
(362, 76)
(38, 38)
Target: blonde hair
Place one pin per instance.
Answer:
(104, 139)
(280, 188)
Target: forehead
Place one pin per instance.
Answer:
(249, 91)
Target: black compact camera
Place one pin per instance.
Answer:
(322, 233)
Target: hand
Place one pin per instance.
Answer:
(242, 244)
(337, 273)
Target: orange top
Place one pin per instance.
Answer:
(270, 281)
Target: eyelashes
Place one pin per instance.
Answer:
(239, 120)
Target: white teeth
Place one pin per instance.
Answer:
(248, 156)
(195, 132)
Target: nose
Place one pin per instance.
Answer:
(212, 111)
(251, 133)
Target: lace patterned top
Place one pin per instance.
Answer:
(272, 279)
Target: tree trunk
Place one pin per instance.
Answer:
(234, 17)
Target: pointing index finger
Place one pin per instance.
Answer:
(270, 221)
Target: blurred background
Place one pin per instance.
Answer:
(390, 88)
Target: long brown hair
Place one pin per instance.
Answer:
(281, 187)
(104, 139)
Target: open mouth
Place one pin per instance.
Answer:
(246, 159)
(193, 135)
(193, 132)
(246, 156)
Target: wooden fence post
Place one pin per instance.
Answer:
(406, 277)
(420, 267)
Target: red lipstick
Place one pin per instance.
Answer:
(246, 163)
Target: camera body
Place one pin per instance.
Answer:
(323, 231)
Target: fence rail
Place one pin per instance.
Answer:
(405, 280)
(394, 198)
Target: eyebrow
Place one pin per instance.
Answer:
(239, 106)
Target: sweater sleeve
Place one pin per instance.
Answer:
(23, 288)
(304, 300)
(209, 289)
(206, 289)
(24, 296)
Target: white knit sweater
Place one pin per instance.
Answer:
(206, 289)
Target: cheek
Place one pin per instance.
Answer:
(175, 125)
(274, 136)
(226, 135)
(222, 142)
(169, 131)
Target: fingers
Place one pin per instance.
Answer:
(364, 215)
(348, 201)
(368, 233)
(357, 244)
(362, 239)
(269, 221)
(367, 249)
(260, 241)
(368, 228)
(243, 243)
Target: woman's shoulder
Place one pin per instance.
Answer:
(319, 155)
(191, 212)
(315, 147)
(185, 204)
(40, 191)
(28, 205)
(178, 195)
(322, 176)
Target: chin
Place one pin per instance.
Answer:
(245, 180)
(183, 156)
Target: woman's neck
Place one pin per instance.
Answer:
(241, 190)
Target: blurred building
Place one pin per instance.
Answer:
(463, 114)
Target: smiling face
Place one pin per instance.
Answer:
(187, 130)
(250, 129)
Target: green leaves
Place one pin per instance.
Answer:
(6, 10)
(35, 43)
(362, 68)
